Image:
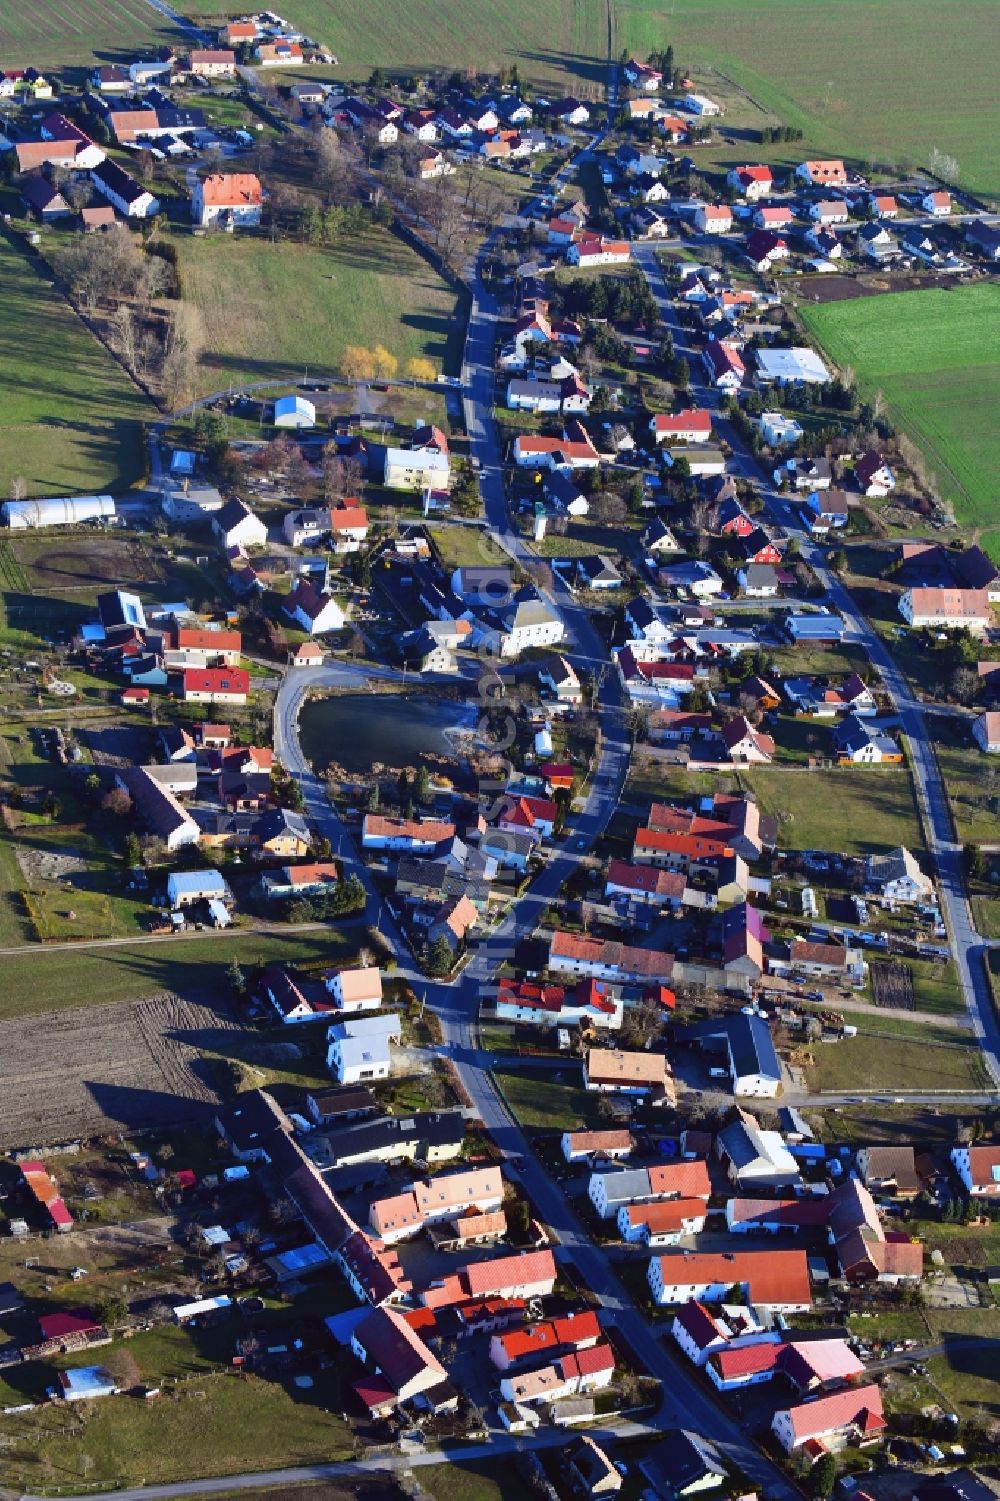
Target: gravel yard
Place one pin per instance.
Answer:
(82, 1072)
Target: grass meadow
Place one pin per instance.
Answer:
(851, 75)
(934, 356)
(267, 311)
(563, 44)
(76, 33)
(70, 420)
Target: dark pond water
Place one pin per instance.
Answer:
(355, 729)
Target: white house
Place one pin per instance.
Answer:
(854, 1416)
(898, 878)
(227, 199)
(979, 1169)
(714, 218)
(315, 610)
(773, 1281)
(534, 395)
(359, 1050)
(355, 990)
(938, 205)
(873, 475)
(416, 469)
(598, 252)
(662, 1224)
(778, 430)
(121, 189)
(829, 211)
(237, 526)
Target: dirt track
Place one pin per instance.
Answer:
(107, 1068)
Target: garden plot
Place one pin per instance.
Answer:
(91, 1070)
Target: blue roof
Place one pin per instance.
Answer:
(87, 1381)
(197, 882)
(303, 1258)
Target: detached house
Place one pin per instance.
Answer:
(315, 610)
(873, 475)
(723, 365)
(753, 182)
(948, 607)
(897, 878)
(212, 62)
(693, 425)
(979, 1169)
(854, 1416)
(938, 204)
(825, 510)
(123, 192)
(237, 526)
(822, 174)
(714, 218)
(227, 200)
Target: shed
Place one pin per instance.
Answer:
(82, 1383)
(187, 886)
(294, 411)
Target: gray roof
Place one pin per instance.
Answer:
(625, 1186)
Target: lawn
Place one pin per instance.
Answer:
(56, 980)
(211, 1422)
(933, 355)
(866, 99)
(867, 1062)
(472, 1482)
(81, 33)
(563, 45)
(975, 804)
(70, 421)
(855, 811)
(268, 311)
(542, 1103)
(466, 547)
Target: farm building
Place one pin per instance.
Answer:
(20, 514)
(294, 411)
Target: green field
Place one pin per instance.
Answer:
(70, 420)
(267, 311)
(564, 43)
(60, 979)
(868, 1062)
(839, 809)
(851, 74)
(81, 32)
(934, 356)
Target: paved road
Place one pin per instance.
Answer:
(969, 949)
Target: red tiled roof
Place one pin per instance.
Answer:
(774, 1278)
(687, 1179)
(748, 1360)
(485, 1277)
(860, 1406)
(646, 878)
(216, 680)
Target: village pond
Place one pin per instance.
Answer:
(359, 730)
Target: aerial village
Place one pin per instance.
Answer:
(575, 760)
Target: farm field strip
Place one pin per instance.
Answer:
(74, 32)
(866, 100)
(935, 356)
(71, 419)
(562, 43)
